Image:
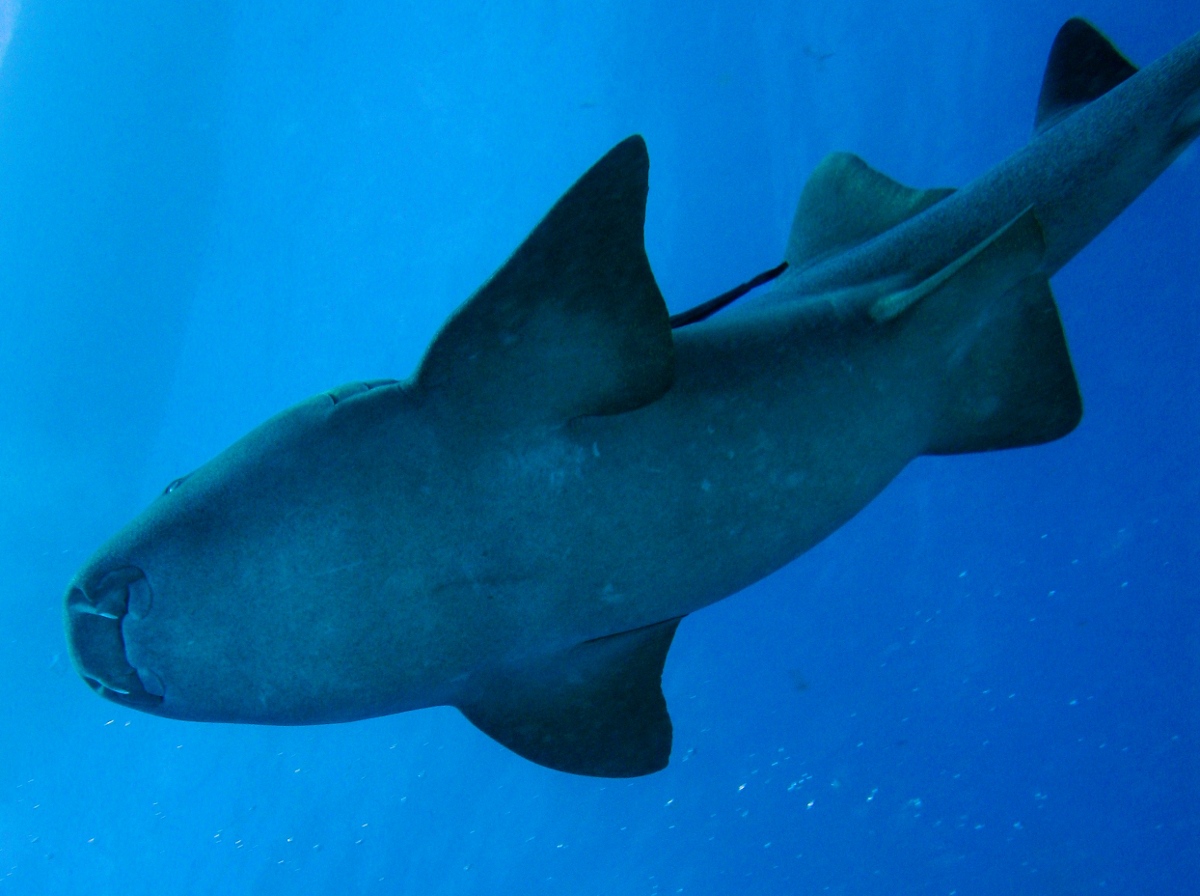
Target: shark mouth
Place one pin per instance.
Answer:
(94, 617)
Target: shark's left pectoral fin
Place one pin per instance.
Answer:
(596, 709)
(572, 324)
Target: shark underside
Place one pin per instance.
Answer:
(518, 528)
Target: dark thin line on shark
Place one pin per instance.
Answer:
(712, 306)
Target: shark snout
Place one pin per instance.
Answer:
(97, 607)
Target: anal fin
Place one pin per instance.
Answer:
(596, 709)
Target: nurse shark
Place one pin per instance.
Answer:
(518, 528)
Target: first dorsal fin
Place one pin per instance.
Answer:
(572, 324)
(847, 202)
(1083, 66)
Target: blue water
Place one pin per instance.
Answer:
(986, 683)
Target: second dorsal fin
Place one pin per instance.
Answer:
(847, 202)
(1083, 66)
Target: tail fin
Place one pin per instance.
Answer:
(1007, 379)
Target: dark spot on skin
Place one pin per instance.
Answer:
(799, 682)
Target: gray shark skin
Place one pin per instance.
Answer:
(518, 528)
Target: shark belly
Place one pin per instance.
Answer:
(767, 443)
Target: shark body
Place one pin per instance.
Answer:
(518, 528)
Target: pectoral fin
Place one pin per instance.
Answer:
(597, 709)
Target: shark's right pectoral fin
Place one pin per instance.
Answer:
(596, 709)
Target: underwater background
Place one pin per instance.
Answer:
(987, 682)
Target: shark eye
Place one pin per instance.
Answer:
(173, 484)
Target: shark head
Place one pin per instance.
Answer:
(236, 594)
(152, 618)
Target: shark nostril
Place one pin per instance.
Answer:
(99, 651)
(77, 602)
(110, 602)
(121, 591)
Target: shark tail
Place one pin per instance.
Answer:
(1002, 369)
